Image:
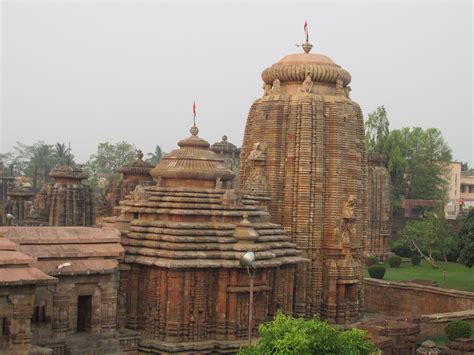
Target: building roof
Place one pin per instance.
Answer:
(224, 147)
(296, 67)
(16, 268)
(136, 167)
(68, 172)
(78, 249)
(193, 160)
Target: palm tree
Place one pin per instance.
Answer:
(155, 158)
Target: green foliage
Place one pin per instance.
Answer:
(415, 260)
(466, 240)
(429, 235)
(371, 260)
(394, 261)
(155, 158)
(417, 159)
(376, 131)
(286, 335)
(458, 329)
(26, 159)
(102, 167)
(376, 271)
(401, 248)
(437, 255)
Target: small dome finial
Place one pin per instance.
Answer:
(224, 138)
(194, 130)
(139, 154)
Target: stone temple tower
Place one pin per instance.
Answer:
(305, 140)
(70, 202)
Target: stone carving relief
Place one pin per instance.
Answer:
(339, 86)
(307, 85)
(258, 152)
(139, 194)
(267, 89)
(346, 231)
(276, 87)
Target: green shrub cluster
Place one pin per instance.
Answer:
(458, 329)
(376, 271)
(371, 260)
(401, 248)
(437, 255)
(285, 335)
(394, 261)
(416, 260)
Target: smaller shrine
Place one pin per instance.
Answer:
(16, 208)
(134, 173)
(230, 153)
(6, 181)
(184, 288)
(70, 202)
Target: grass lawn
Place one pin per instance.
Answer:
(458, 276)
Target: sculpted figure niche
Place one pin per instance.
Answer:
(307, 85)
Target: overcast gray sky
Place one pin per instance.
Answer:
(90, 72)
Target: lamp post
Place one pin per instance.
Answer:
(247, 260)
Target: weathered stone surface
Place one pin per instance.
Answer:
(70, 202)
(304, 147)
(379, 207)
(183, 239)
(398, 299)
(135, 173)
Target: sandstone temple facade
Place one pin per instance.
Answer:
(304, 147)
(184, 289)
(134, 173)
(379, 203)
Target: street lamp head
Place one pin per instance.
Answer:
(248, 260)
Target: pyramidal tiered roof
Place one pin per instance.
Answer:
(136, 167)
(190, 219)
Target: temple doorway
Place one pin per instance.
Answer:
(84, 313)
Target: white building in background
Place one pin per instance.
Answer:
(460, 191)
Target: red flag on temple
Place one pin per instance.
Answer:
(306, 29)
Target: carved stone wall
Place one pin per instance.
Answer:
(401, 299)
(315, 161)
(70, 202)
(379, 204)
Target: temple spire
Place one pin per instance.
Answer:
(194, 130)
(306, 46)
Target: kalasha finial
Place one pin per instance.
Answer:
(224, 138)
(139, 155)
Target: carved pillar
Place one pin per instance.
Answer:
(60, 312)
(20, 325)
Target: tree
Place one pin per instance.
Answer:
(428, 236)
(376, 131)
(286, 335)
(466, 239)
(155, 158)
(63, 154)
(108, 159)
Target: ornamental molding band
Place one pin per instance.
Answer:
(311, 175)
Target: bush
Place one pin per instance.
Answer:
(287, 336)
(416, 260)
(371, 260)
(376, 271)
(401, 248)
(458, 329)
(394, 261)
(437, 255)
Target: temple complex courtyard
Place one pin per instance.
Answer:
(181, 179)
(458, 277)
